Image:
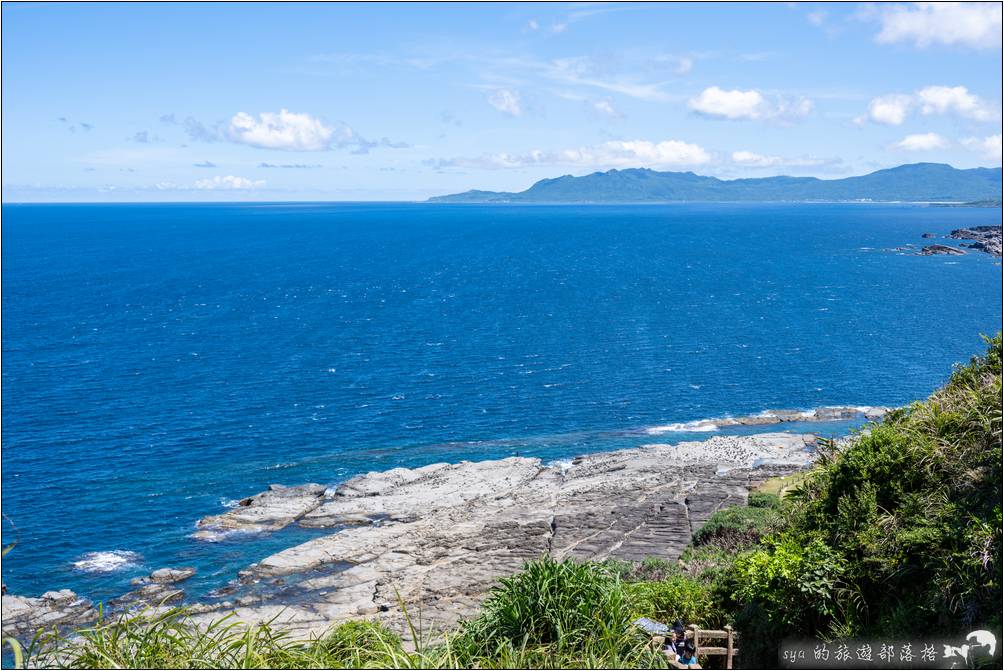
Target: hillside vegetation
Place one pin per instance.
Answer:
(912, 182)
(897, 535)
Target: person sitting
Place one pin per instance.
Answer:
(689, 655)
(681, 634)
(670, 644)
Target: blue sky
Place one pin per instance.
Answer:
(192, 102)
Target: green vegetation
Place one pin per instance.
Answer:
(913, 182)
(897, 534)
(740, 527)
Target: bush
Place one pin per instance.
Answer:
(898, 532)
(550, 602)
(554, 615)
(676, 597)
(740, 527)
(763, 500)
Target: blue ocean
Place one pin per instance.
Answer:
(160, 361)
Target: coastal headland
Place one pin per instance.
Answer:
(435, 538)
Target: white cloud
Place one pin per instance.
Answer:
(615, 153)
(990, 146)
(584, 71)
(922, 142)
(894, 108)
(558, 28)
(684, 66)
(971, 24)
(891, 109)
(531, 25)
(957, 99)
(229, 183)
(752, 159)
(506, 101)
(605, 107)
(737, 104)
(283, 130)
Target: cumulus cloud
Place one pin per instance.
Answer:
(957, 99)
(969, 24)
(506, 101)
(922, 142)
(894, 108)
(289, 131)
(229, 183)
(282, 130)
(737, 104)
(615, 153)
(891, 109)
(990, 147)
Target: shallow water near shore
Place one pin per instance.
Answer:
(161, 361)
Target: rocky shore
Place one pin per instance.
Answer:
(984, 238)
(436, 538)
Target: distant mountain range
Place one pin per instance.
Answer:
(913, 182)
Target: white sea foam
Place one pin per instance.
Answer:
(696, 426)
(215, 534)
(106, 562)
(562, 464)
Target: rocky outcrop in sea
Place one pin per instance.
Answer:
(931, 250)
(985, 238)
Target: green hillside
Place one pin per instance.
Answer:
(913, 182)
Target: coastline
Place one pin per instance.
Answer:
(440, 535)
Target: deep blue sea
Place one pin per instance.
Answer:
(162, 360)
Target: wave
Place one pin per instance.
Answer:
(825, 413)
(216, 534)
(564, 465)
(696, 426)
(106, 562)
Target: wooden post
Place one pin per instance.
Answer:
(728, 647)
(697, 647)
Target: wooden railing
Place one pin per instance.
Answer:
(695, 634)
(729, 650)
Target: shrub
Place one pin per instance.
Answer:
(550, 602)
(676, 597)
(763, 500)
(739, 527)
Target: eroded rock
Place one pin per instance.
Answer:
(449, 531)
(23, 616)
(270, 510)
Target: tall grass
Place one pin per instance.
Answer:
(551, 615)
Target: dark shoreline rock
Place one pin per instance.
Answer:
(931, 250)
(985, 238)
